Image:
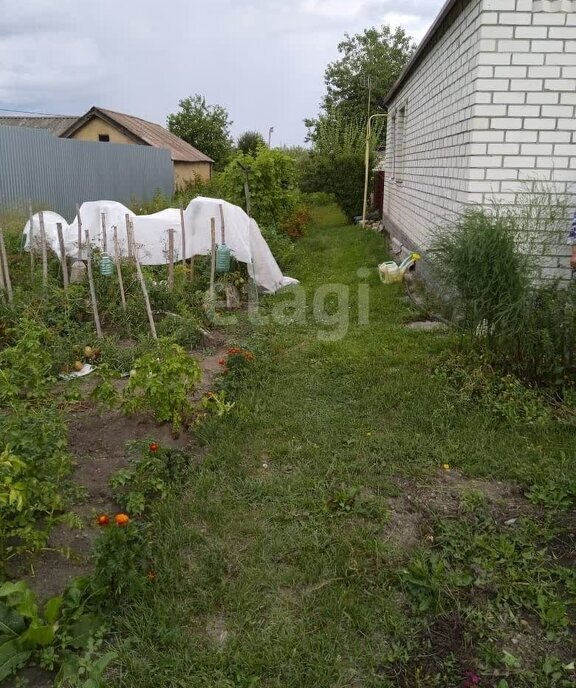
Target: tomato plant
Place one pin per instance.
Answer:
(161, 382)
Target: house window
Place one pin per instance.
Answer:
(399, 143)
(104, 138)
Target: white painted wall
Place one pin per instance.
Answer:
(490, 108)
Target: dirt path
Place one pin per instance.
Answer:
(97, 441)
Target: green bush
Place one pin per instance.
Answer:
(272, 178)
(281, 246)
(487, 271)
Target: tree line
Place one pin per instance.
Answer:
(356, 84)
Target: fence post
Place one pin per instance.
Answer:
(91, 283)
(132, 241)
(5, 267)
(118, 258)
(43, 249)
(62, 254)
(171, 259)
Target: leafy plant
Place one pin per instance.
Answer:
(120, 556)
(485, 264)
(235, 368)
(207, 127)
(66, 635)
(272, 180)
(161, 382)
(214, 403)
(152, 472)
(25, 366)
(33, 465)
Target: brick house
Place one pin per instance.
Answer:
(486, 105)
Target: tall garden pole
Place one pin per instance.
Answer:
(171, 259)
(79, 232)
(43, 249)
(118, 258)
(212, 256)
(104, 237)
(367, 163)
(5, 268)
(131, 240)
(128, 234)
(91, 283)
(63, 262)
(31, 238)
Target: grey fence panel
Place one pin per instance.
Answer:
(56, 174)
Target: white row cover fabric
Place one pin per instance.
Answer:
(242, 235)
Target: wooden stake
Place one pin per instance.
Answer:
(118, 258)
(44, 251)
(91, 283)
(31, 239)
(171, 259)
(129, 227)
(5, 269)
(80, 235)
(142, 283)
(63, 262)
(222, 227)
(213, 256)
(2, 282)
(183, 230)
(104, 237)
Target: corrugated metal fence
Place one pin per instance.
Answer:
(56, 174)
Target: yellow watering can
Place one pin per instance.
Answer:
(391, 272)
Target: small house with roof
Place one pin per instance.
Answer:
(108, 126)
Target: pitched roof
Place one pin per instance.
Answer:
(55, 124)
(144, 132)
(421, 49)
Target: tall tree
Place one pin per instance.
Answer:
(377, 56)
(206, 127)
(250, 141)
(370, 61)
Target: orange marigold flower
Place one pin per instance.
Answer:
(122, 519)
(234, 350)
(151, 575)
(222, 361)
(154, 447)
(103, 520)
(248, 355)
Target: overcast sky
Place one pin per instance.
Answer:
(263, 60)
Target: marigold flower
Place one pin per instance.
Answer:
(446, 466)
(151, 575)
(103, 520)
(154, 447)
(222, 362)
(122, 520)
(233, 351)
(248, 355)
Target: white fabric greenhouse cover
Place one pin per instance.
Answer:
(242, 235)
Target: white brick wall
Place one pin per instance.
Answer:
(439, 97)
(490, 109)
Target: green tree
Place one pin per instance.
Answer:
(249, 142)
(206, 127)
(272, 179)
(335, 165)
(371, 60)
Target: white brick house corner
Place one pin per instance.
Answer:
(485, 107)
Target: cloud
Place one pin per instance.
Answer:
(262, 59)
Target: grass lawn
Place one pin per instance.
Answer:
(321, 543)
